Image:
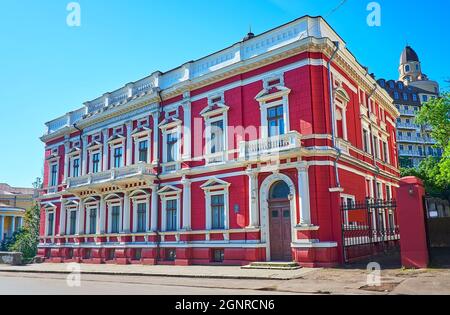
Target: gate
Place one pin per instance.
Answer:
(437, 218)
(368, 227)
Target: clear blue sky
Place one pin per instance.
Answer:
(48, 68)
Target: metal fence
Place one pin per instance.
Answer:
(368, 227)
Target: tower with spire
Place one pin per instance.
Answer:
(410, 92)
(410, 71)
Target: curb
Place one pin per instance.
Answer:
(137, 274)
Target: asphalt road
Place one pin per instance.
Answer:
(51, 284)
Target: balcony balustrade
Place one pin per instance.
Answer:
(110, 176)
(272, 146)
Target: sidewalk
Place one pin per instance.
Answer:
(212, 272)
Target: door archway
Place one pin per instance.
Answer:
(278, 216)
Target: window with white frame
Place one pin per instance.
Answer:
(115, 218)
(92, 213)
(143, 147)
(376, 146)
(341, 101)
(274, 107)
(171, 215)
(50, 220)
(53, 174)
(95, 163)
(348, 201)
(117, 145)
(366, 140)
(216, 124)
(142, 136)
(171, 132)
(172, 147)
(275, 121)
(170, 200)
(76, 166)
(141, 217)
(385, 152)
(72, 221)
(217, 204)
(141, 211)
(115, 213)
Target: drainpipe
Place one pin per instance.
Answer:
(158, 174)
(80, 130)
(374, 158)
(333, 116)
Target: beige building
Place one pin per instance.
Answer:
(14, 202)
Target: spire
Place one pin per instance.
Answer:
(250, 34)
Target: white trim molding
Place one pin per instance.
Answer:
(214, 187)
(168, 193)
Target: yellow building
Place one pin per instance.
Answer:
(13, 204)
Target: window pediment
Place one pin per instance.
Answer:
(215, 109)
(169, 190)
(54, 157)
(94, 145)
(170, 123)
(74, 151)
(48, 206)
(71, 203)
(141, 132)
(117, 138)
(341, 95)
(215, 184)
(271, 93)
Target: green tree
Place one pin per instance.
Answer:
(435, 172)
(436, 114)
(26, 240)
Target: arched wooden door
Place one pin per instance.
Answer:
(280, 227)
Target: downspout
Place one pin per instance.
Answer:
(333, 116)
(158, 174)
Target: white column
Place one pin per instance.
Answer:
(344, 123)
(80, 218)
(126, 213)
(129, 144)
(154, 210)
(187, 133)
(66, 161)
(84, 156)
(303, 194)
(105, 150)
(2, 227)
(62, 219)
(13, 225)
(101, 220)
(155, 138)
(253, 199)
(186, 204)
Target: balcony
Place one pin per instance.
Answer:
(411, 153)
(404, 125)
(276, 146)
(408, 112)
(410, 139)
(117, 176)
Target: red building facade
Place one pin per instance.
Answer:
(234, 158)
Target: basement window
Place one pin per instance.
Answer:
(171, 254)
(218, 255)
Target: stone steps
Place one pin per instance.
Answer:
(273, 265)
